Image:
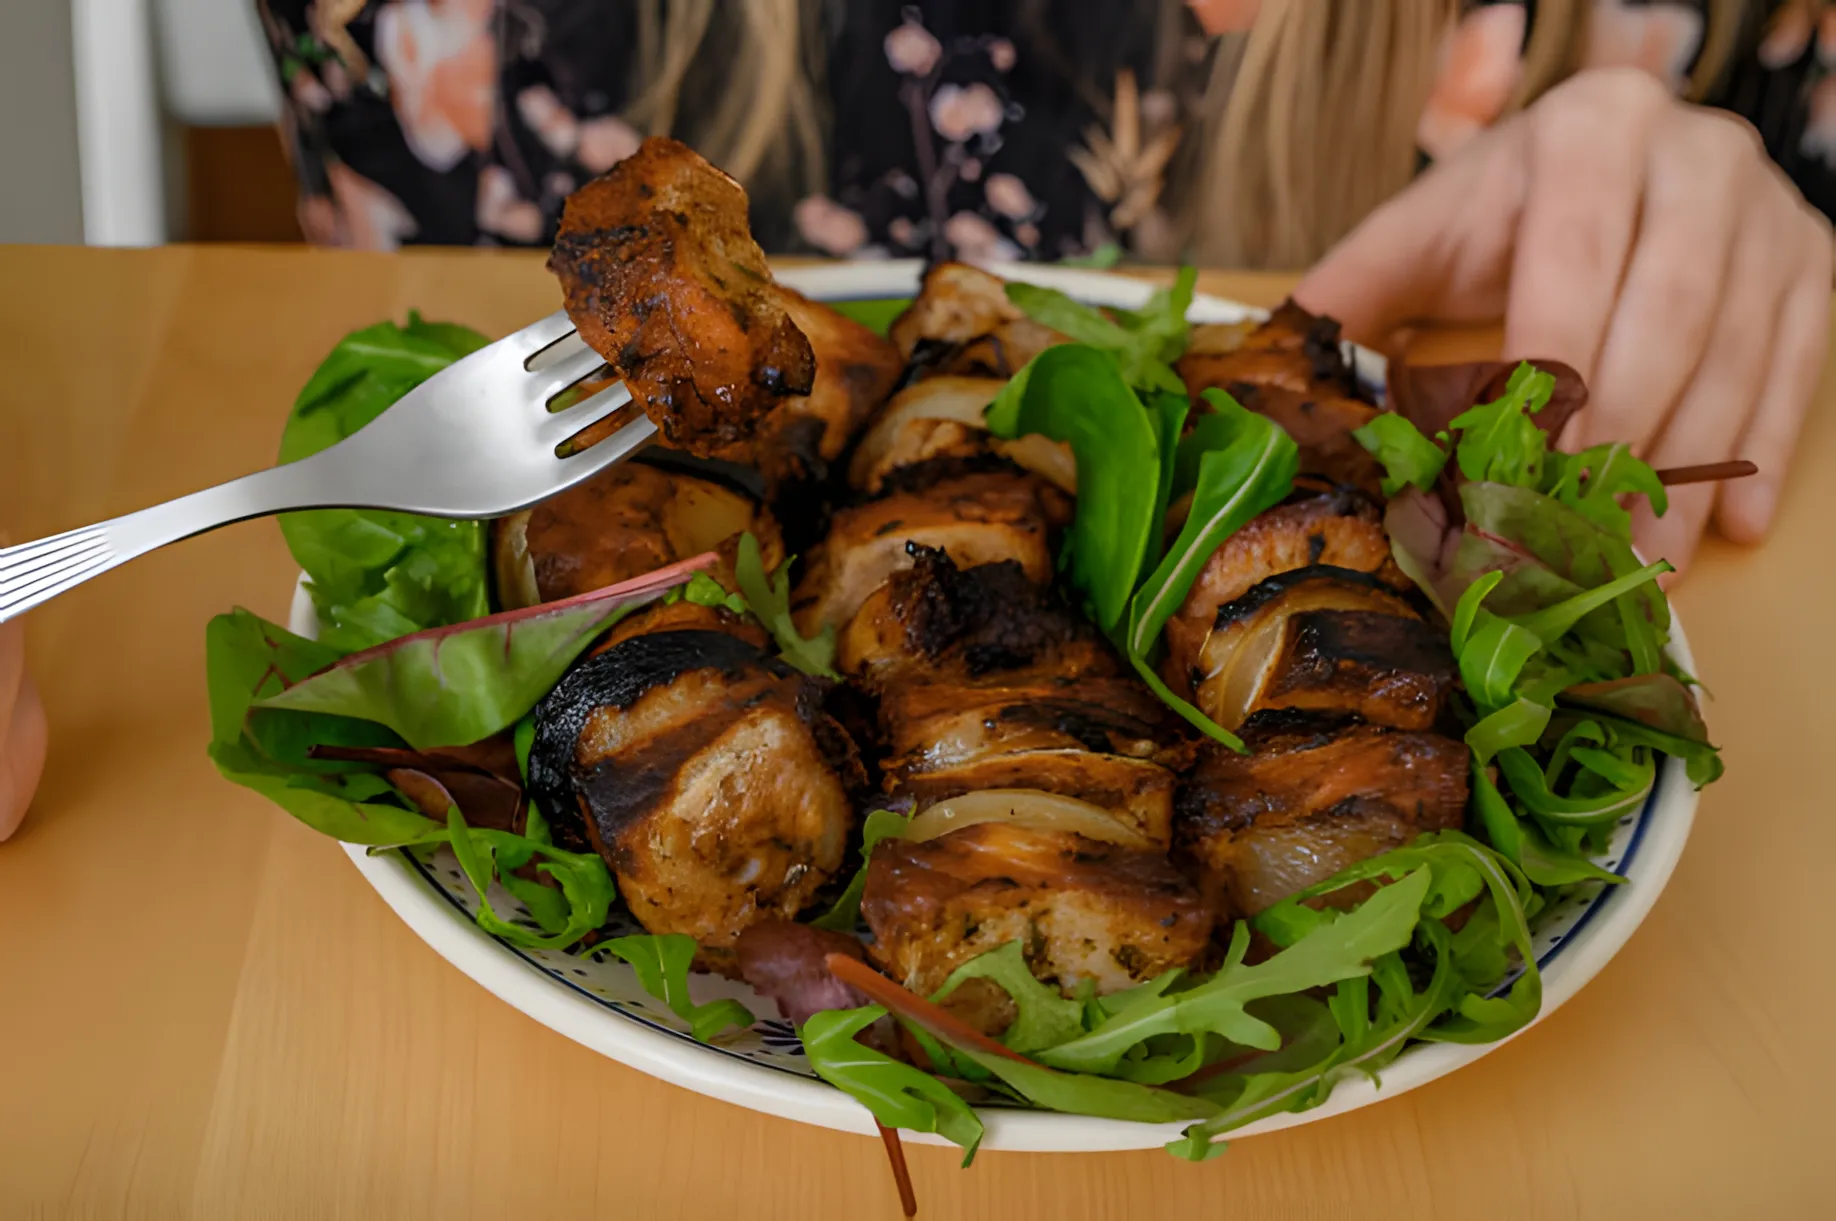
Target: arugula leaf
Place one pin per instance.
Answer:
(1086, 1094)
(1073, 393)
(1043, 1017)
(1276, 1088)
(375, 574)
(1592, 481)
(769, 599)
(1409, 459)
(662, 964)
(1498, 440)
(846, 911)
(452, 686)
(704, 590)
(899, 1095)
(1140, 342)
(585, 886)
(1331, 952)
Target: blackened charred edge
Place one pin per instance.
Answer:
(1327, 639)
(1270, 588)
(927, 474)
(1092, 727)
(617, 678)
(1321, 344)
(1000, 617)
(927, 355)
(1340, 499)
(800, 446)
(731, 475)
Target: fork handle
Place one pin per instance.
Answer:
(36, 572)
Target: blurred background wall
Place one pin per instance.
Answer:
(40, 189)
(170, 102)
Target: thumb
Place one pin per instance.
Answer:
(1440, 249)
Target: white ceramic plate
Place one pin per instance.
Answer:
(601, 1005)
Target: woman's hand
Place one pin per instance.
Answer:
(1650, 244)
(22, 730)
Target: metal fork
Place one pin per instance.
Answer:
(475, 440)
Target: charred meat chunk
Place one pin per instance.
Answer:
(987, 681)
(1320, 524)
(961, 322)
(855, 371)
(1312, 798)
(1084, 911)
(1295, 350)
(1323, 638)
(623, 522)
(708, 777)
(977, 518)
(663, 279)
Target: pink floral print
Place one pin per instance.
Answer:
(960, 113)
(442, 66)
(829, 226)
(914, 50)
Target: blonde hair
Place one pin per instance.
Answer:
(766, 68)
(1306, 124)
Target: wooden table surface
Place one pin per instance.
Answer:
(205, 1012)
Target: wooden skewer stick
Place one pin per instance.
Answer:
(895, 1153)
(1708, 472)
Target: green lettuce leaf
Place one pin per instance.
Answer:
(1239, 464)
(246, 659)
(1073, 393)
(452, 686)
(375, 574)
(899, 1095)
(769, 598)
(662, 964)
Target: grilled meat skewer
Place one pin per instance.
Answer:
(708, 776)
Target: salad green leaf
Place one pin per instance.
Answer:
(247, 658)
(1043, 1018)
(1499, 443)
(374, 574)
(768, 597)
(451, 686)
(1409, 459)
(899, 1095)
(1240, 463)
(845, 913)
(1141, 343)
(1074, 393)
(1329, 953)
(577, 906)
(662, 963)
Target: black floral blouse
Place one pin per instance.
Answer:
(987, 130)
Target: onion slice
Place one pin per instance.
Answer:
(1239, 657)
(1033, 809)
